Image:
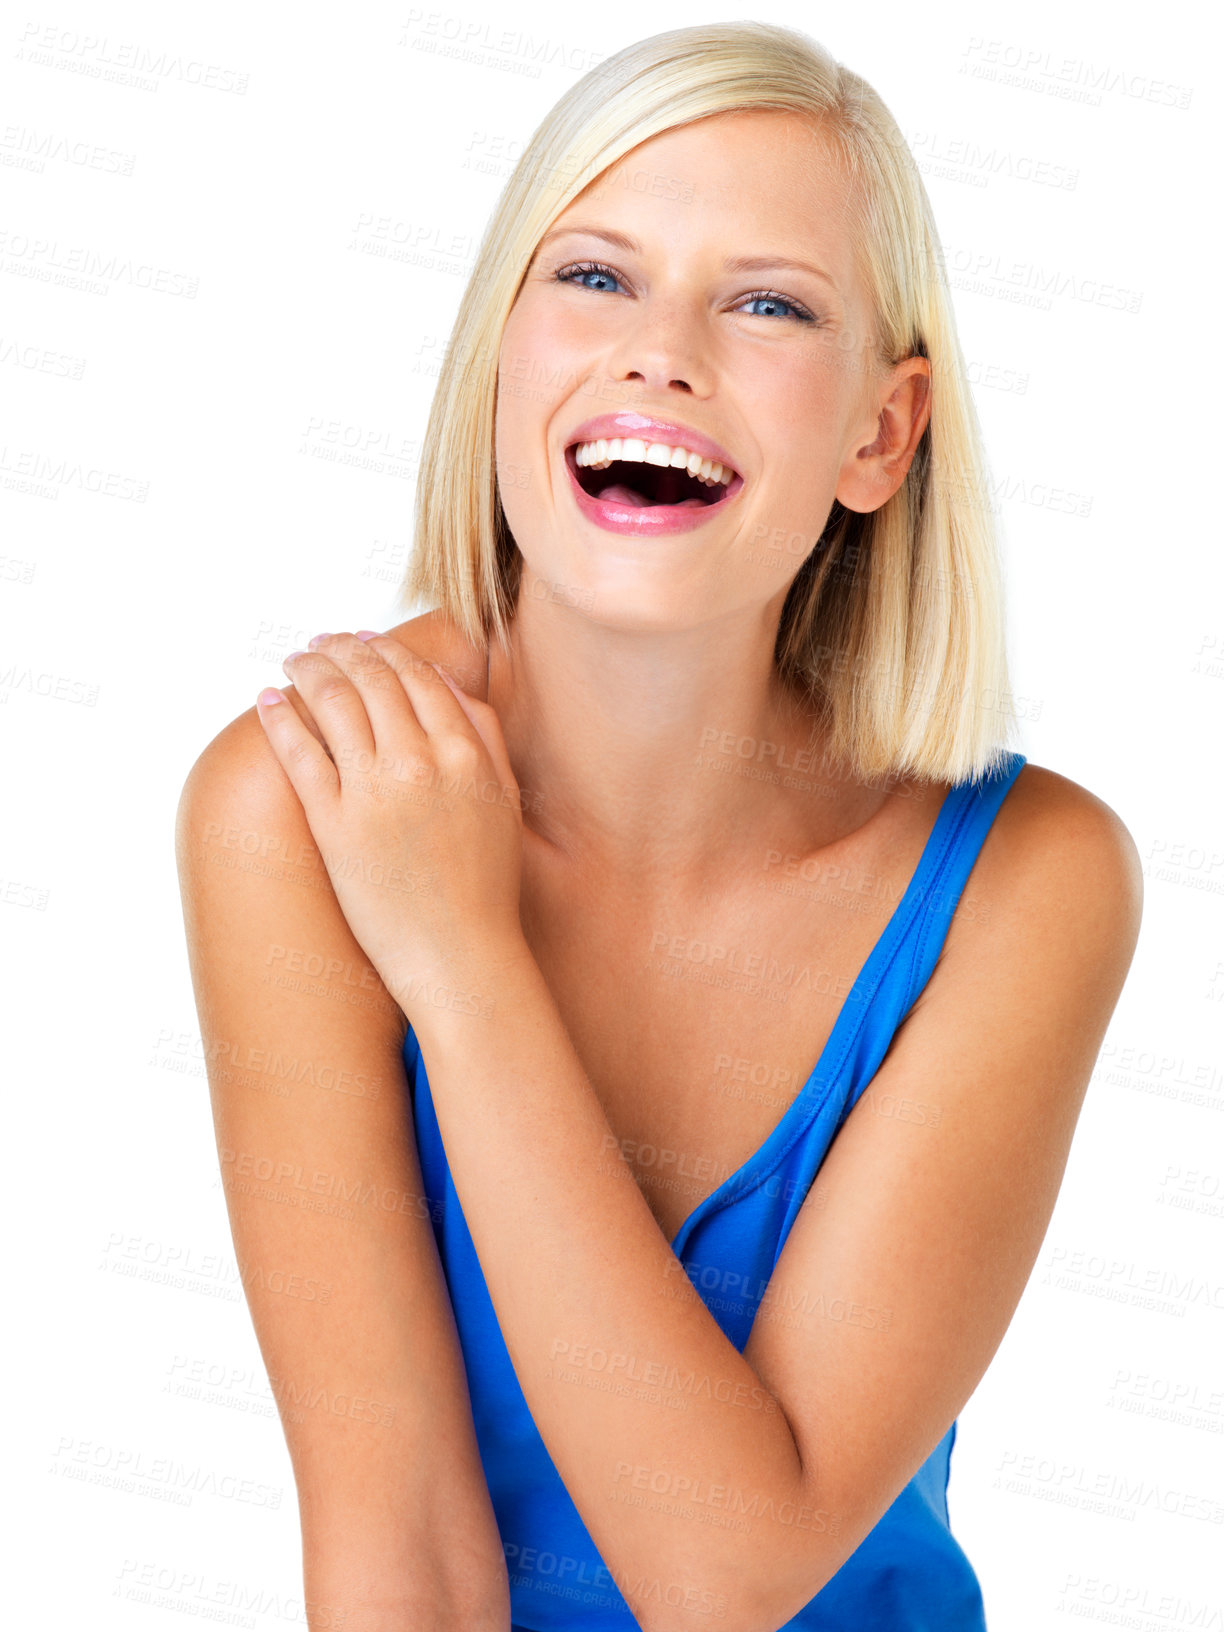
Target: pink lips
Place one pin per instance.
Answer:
(649, 521)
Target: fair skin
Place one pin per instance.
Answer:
(594, 1052)
(674, 635)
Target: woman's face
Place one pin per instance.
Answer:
(633, 306)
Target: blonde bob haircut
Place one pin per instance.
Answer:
(893, 627)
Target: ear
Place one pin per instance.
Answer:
(901, 408)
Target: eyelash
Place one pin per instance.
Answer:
(564, 274)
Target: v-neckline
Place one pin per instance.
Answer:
(851, 1014)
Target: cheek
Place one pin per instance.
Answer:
(509, 378)
(517, 417)
(809, 393)
(811, 407)
(799, 421)
(520, 425)
(535, 340)
(535, 375)
(513, 345)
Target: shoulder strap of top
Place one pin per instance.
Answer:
(910, 949)
(976, 804)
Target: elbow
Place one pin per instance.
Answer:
(758, 1592)
(693, 1595)
(756, 1574)
(736, 1611)
(771, 1604)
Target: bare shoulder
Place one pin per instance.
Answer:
(435, 638)
(238, 761)
(934, 1217)
(1060, 852)
(257, 897)
(1042, 796)
(244, 847)
(1041, 943)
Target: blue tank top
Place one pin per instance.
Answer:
(909, 1573)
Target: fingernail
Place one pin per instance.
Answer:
(269, 695)
(366, 634)
(292, 655)
(317, 639)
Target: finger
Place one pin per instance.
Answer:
(433, 702)
(484, 720)
(337, 707)
(388, 707)
(292, 695)
(307, 765)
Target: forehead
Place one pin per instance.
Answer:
(767, 180)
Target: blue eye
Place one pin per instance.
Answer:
(798, 311)
(587, 269)
(596, 269)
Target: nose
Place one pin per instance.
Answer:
(654, 379)
(663, 352)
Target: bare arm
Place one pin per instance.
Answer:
(323, 1183)
(940, 1232)
(941, 1235)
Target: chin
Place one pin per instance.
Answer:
(611, 588)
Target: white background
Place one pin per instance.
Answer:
(279, 217)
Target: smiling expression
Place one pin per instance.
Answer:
(695, 313)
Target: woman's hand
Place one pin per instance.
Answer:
(413, 805)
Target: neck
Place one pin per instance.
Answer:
(652, 753)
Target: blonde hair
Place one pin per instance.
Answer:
(894, 624)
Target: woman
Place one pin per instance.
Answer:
(695, 773)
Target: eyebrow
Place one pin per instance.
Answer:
(735, 263)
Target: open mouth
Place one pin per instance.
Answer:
(637, 485)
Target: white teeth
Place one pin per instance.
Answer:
(598, 455)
